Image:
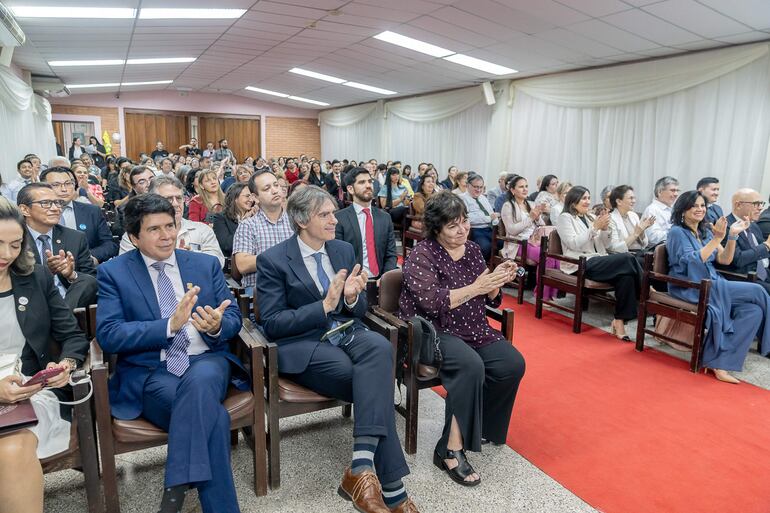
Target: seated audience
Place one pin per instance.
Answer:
(62, 250)
(500, 199)
(460, 183)
(41, 321)
(139, 178)
(87, 192)
(446, 281)
(752, 251)
(308, 285)
(166, 167)
(317, 177)
(561, 193)
(394, 197)
(81, 216)
(335, 184)
(709, 188)
(605, 205)
(546, 196)
(585, 235)
(241, 174)
(738, 311)
(449, 183)
(118, 186)
(495, 192)
(533, 195)
(764, 222)
(266, 228)
(209, 197)
(193, 236)
(425, 189)
(666, 191)
(296, 185)
(481, 216)
(26, 176)
(239, 205)
(173, 364)
(369, 230)
(522, 221)
(627, 232)
(292, 172)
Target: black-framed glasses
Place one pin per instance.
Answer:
(757, 204)
(62, 185)
(47, 204)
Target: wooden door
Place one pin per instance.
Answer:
(242, 134)
(144, 129)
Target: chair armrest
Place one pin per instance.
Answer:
(506, 319)
(510, 238)
(750, 277)
(563, 258)
(389, 317)
(678, 281)
(96, 354)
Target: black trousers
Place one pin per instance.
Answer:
(398, 213)
(82, 292)
(623, 272)
(362, 373)
(481, 387)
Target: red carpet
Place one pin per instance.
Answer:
(633, 432)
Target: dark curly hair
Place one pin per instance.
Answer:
(441, 209)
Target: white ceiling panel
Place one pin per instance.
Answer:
(289, 10)
(454, 32)
(596, 8)
(754, 13)
(415, 6)
(547, 10)
(515, 20)
(389, 13)
(474, 23)
(577, 42)
(650, 27)
(610, 35)
(697, 18)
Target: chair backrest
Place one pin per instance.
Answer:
(390, 290)
(660, 260)
(554, 243)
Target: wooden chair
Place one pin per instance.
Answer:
(521, 259)
(653, 302)
(285, 398)
(416, 375)
(246, 409)
(81, 454)
(408, 234)
(576, 283)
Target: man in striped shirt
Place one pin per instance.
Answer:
(268, 227)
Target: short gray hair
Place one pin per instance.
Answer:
(663, 183)
(59, 162)
(159, 181)
(304, 203)
(606, 192)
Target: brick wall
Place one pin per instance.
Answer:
(109, 117)
(292, 137)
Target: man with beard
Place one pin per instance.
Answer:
(224, 151)
(369, 230)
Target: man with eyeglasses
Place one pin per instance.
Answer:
(79, 216)
(480, 214)
(666, 192)
(139, 179)
(192, 236)
(752, 250)
(64, 251)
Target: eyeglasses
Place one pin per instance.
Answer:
(175, 199)
(47, 204)
(142, 182)
(62, 185)
(757, 204)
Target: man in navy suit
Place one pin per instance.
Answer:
(79, 216)
(168, 316)
(709, 187)
(308, 285)
(752, 250)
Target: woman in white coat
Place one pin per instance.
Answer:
(627, 232)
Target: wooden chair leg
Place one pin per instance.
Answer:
(89, 457)
(520, 298)
(347, 410)
(274, 455)
(110, 482)
(412, 413)
(234, 438)
(577, 318)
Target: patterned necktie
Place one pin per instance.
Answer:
(177, 359)
(323, 279)
(43, 238)
(486, 212)
(371, 249)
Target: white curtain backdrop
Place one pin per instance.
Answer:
(354, 133)
(626, 133)
(25, 124)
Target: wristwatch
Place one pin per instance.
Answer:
(73, 277)
(73, 363)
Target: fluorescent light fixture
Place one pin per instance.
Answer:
(373, 89)
(486, 66)
(161, 60)
(117, 84)
(90, 11)
(96, 62)
(314, 102)
(198, 14)
(320, 76)
(413, 44)
(266, 91)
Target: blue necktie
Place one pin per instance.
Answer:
(177, 359)
(323, 279)
(761, 271)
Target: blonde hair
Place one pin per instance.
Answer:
(205, 195)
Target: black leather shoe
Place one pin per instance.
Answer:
(461, 471)
(173, 499)
(484, 441)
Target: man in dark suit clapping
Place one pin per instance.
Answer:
(369, 230)
(752, 250)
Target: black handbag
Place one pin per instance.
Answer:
(426, 342)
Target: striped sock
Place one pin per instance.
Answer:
(393, 493)
(364, 448)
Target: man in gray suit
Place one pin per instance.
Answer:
(369, 230)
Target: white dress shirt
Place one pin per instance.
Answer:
(307, 257)
(658, 232)
(68, 217)
(476, 216)
(199, 236)
(362, 227)
(39, 247)
(197, 344)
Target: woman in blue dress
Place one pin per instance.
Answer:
(736, 310)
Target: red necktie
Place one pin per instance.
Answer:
(371, 252)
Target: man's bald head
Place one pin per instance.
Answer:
(747, 203)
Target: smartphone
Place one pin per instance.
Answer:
(339, 329)
(43, 376)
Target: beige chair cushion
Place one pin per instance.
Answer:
(572, 280)
(663, 298)
(291, 392)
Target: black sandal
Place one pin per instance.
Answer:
(461, 471)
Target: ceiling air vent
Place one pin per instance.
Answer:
(10, 32)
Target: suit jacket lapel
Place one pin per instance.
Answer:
(22, 288)
(57, 240)
(357, 235)
(141, 275)
(33, 246)
(297, 265)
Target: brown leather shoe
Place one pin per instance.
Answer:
(406, 507)
(364, 491)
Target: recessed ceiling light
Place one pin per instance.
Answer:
(90, 11)
(81, 86)
(152, 82)
(306, 100)
(266, 91)
(116, 84)
(369, 88)
(96, 62)
(161, 60)
(200, 14)
(413, 44)
(320, 76)
(472, 62)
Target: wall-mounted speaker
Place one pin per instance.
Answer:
(489, 94)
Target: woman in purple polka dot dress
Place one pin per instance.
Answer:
(446, 280)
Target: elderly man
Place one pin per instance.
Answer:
(480, 214)
(752, 251)
(666, 192)
(495, 192)
(312, 300)
(191, 235)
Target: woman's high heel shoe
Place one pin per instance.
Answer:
(723, 375)
(624, 337)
